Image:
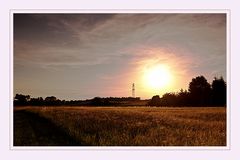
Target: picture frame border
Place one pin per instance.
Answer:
(124, 148)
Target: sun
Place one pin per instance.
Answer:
(157, 76)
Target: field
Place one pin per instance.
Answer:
(119, 126)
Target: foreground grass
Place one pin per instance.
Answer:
(138, 126)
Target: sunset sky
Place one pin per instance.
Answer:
(79, 56)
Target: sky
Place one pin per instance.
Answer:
(81, 56)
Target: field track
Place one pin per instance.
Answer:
(32, 130)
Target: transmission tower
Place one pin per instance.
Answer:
(133, 90)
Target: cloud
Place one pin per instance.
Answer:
(95, 39)
(113, 48)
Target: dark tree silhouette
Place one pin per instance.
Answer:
(200, 91)
(52, 100)
(219, 93)
(36, 101)
(169, 99)
(21, 99)
(97, 101)
(183, 98)
(155, 101)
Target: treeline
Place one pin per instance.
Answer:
(25, 100)
(199, 93)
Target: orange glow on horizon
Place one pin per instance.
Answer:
(158, 73)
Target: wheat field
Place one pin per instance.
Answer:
(120, 126)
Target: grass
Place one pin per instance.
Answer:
(131, 126)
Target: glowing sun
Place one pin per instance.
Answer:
(157, 77)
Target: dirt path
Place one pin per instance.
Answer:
(32, 130)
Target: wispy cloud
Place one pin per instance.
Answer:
(110, 45)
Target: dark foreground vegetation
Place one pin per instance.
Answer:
(30, 129)
(119, 126)
(200, 93)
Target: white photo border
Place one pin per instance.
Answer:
(124, 148)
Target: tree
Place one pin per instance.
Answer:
(37, 101)
(52, 100)
(219, 92)
(200, 91)
(97, 101)
(21, 99)
(155, 101)
(183, 98)
(169, 99)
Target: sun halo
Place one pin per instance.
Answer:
(157, 77)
